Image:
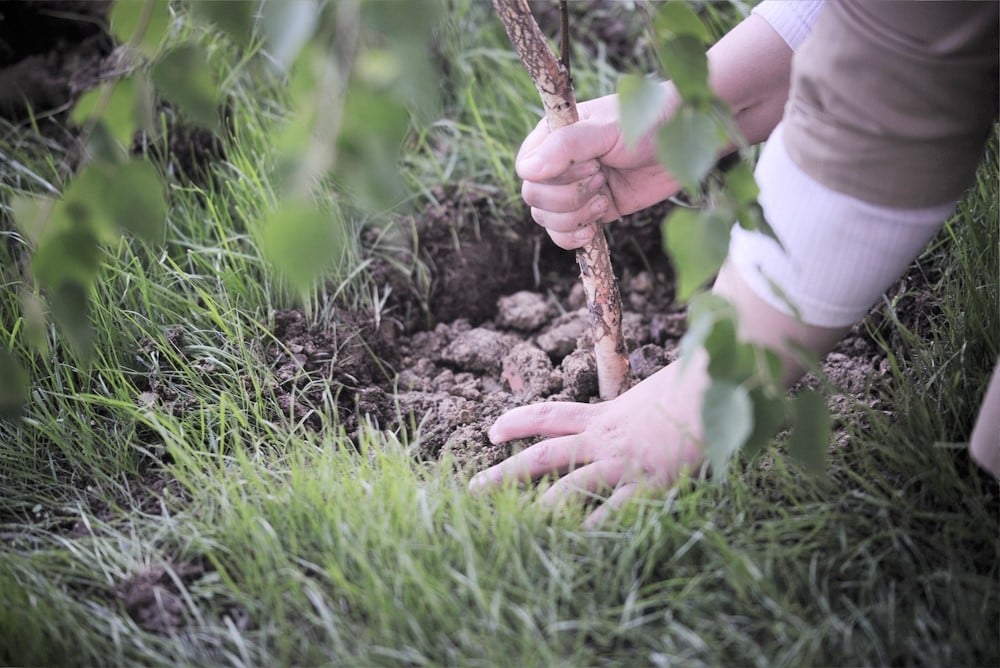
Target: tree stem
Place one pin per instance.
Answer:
(555, 87)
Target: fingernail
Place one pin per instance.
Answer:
(492, 435)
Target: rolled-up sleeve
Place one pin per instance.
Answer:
(792, 19)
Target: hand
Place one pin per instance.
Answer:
(583, 173)
(647, 436)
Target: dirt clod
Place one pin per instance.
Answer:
(152, 598)
(523, 311)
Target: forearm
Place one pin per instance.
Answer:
(750, 70)
(762, 324)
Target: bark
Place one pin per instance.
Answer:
(599, 283)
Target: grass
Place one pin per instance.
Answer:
(274, 544)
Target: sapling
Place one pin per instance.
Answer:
(552, 80)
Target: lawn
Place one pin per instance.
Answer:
(243, 477)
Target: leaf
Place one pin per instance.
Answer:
(84, 204)
(13, 386)
(136, 202)
(302, 242)
(70, 256)
(678, 18)
(684, 62)
(688, 146)
(729, 358)
(368, 147)
(727, 417)
(286, 27)
(31, 215)
(697, 245)
(184, 76)
(127, 15)
(640, 101)
(704, 311)
(810, 431)
(769, 415)
(119, 114)
(71, 308)
(234, 17)
(741, 185)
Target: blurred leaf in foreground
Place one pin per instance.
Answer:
(303, 242)
(185, 78)
(810, 432)
(640, 100)
(688, 146)
(727, 416)
(697, 245)
(127, 17)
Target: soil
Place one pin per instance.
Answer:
(501, 324)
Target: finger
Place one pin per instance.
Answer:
(553, 455)
(547, 157)
(591, 212)
(601, 476)
(573, 240)
(564, 197)
(614, 503)
(551, 418)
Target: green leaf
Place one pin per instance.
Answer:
(184, 77)
(697, 244)
(678, 18)
(368, 147)
(810, 431)
(741, 185)
(233, 17)
(727, 417)
(136, 202)
(31, 215)
(704, 311)
(13, 386)
(303, 242)
(688, 146)
(120, 114)
(287, 26)
(769, 415)
(84, 204)
(640, 101)
(70, 304)
(729, 358)
(127, 16)
(71, 256)
(684, 62)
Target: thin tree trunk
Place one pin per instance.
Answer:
(599, 283)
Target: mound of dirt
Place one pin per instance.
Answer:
(50, 52)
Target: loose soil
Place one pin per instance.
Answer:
(502, 323)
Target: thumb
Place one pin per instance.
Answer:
(545, 155)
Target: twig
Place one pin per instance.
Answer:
(552, 80)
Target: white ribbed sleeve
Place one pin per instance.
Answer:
(838, 254)
(792, 19)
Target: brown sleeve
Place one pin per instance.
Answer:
(891, 102)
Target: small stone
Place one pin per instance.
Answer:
(641, 283)
(579, 373)
(524, 311)
(647, 360)
(559, 340)
(479, 350)
(528, 372)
